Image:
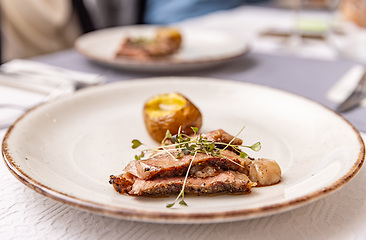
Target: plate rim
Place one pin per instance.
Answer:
(123, 62)
(179, 217)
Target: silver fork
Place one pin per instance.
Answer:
(355, 98)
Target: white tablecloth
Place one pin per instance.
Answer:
(25, 214)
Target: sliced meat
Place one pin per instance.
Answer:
(222, 138)
(204, 171)
(263, 172)
(122, 183)
(132, 49)
(224, 182)
(220, 135)
(164, 165)
(144, 49)
(164, 172)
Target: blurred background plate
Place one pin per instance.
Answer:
(200, 49)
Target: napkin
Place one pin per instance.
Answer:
(26, 83)
(80, 79)
(14, 102)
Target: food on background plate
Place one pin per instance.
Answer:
(170, 111)
(198, 164)
(166, 42)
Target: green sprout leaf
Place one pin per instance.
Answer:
(210, 147)
(170, 205)
(256, 146)
(182, 202)
(136, 143)
(243, 155)
(138, 157)
(186, 151)
(168, 134)
(174, 139)
(195, 129)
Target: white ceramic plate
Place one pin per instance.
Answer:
(200, 49)
(67, 149)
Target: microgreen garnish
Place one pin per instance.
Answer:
(183, 144)
(136, 143)
(243, 155)
(181, 194)
(195, 130)
(256, 147)
(138, 157)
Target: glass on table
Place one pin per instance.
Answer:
(308, 29)
(354, 44)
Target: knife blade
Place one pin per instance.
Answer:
(355, 98)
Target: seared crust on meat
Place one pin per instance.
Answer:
(224, 182)
(168, 167)
(122, 183)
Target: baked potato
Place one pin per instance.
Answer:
(171, 37)
(170, 111)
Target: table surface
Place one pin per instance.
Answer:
(25, 214)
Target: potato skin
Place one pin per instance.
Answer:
(186, 116)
